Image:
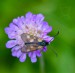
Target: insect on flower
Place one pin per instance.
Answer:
(28, 36)
(41, 43)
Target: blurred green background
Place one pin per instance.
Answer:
(60, 14)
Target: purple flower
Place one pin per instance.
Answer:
(28, 28)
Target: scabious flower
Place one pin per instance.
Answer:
(28, 28)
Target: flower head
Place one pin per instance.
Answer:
(28, 28)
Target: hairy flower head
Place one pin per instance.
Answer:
(28, 28)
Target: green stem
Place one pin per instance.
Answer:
(42, 64)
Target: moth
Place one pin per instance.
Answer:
(32, 43)
(42, 43)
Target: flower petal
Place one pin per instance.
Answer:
(33, 57)
(13, 27)
(46, 27)
(48, 38)
(20, 41)
(15, 48)
(29, 15)
(45, 49)
(8, 30)
(22, 57)
(23, 19)
(46, 31)
(30, 54)
(11, 43)
(39, 18)
(14, 53)
(18, 22)
(29, 18)
(19, 53)
(15, 21)
(33, 54)
(12, 35)
(33, 60)
(38, 53)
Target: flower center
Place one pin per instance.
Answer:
(27, 38)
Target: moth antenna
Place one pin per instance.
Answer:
(55, 52)
(56, 34)
(51, 47)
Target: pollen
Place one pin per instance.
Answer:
(31, 40)
(28, 50)
(31, 47)
(28, 36)
(40, 39)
